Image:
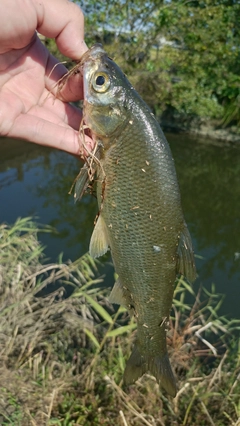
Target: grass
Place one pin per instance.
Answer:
(62, 357)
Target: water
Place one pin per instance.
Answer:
(35, 181)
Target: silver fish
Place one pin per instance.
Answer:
(140, 215)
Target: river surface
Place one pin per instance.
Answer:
(34, 181)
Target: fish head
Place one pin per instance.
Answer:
(105, 93)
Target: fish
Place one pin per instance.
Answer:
(140, 218)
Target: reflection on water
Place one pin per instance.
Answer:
(35, 181)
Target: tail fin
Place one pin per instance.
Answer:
(158, 366)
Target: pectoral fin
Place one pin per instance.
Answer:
(186, 262)
(99, 241)
(81, 184)
(86, 175)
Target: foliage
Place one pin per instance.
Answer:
(179, 54)
(62, 359)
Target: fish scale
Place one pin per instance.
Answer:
(146, 221)
(140, 216)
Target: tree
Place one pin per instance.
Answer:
(183, 55)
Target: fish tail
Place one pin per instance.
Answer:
(158, 366)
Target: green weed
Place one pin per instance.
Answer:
(62, 358)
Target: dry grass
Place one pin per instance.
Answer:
(62, 358)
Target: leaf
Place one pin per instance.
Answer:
(187, 286)
(99, 309)
(92, 337)
(121, 330)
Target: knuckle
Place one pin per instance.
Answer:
(77, 11)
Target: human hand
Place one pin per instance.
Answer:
(29, 108)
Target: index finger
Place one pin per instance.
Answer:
(64, 21)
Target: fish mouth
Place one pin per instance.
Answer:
(95, 52)
(89, 63)
(101, 112)
(86, 67)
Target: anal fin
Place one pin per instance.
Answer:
(117, 295)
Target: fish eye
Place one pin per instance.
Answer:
(101, 82)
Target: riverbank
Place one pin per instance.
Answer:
(62, 358)
(214, 132)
